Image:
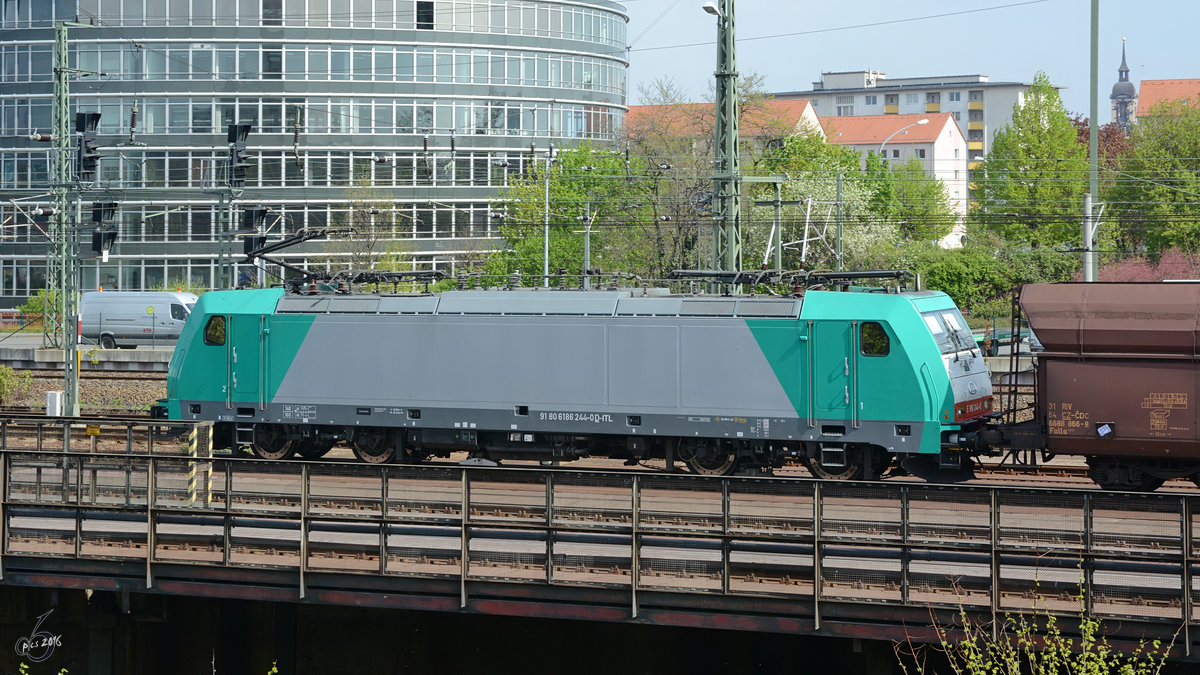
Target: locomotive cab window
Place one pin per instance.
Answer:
(950, 330)
(873, 339)
(214, 331)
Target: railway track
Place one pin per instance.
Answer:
(1059, 473)
(134, 375)
(38, 414)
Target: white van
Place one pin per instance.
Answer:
(127, 319)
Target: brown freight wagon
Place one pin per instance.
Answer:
(1119, 379)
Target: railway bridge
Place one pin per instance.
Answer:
(134, 508)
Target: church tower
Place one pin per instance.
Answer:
(1124, 94)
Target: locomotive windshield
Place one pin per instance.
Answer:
(949, 330)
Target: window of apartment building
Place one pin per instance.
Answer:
(954, 96)
(425, 14)
(871, 100)
(933, 97)
(891, 99)
(844, 100)
(920, 153)
(975, 116)
(956, 153)
(957, 116)
(845, 105)
(845, 110)
(895, 153)
(975, 95)
(912, 98)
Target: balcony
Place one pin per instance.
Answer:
(973, 165)
(933, 107)
(892, 109)
(975, 126)
(975, 145)
(974, 105)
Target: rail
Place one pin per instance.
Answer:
(780, 549)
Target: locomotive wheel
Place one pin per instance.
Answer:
(861, 463)
(1112, 474)
(373, 447)
(271, 442)
(313, 449)
(711, 460)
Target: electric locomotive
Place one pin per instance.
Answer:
(845, 381)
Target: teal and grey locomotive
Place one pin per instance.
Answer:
(845, 381)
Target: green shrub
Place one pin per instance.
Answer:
(14, 385)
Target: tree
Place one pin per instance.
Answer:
(812, 167)
(1112, 141)
(374, 232)
(580, 179)
(675, 138)
(919, 205)
(1155, 197)
(1172, 264)
(1033, 179)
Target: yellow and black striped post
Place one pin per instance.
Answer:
(191, 451)
(208, 430)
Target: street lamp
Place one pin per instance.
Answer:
(900, 130)
(546, 223)
(711, 8)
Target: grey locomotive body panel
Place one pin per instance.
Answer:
(542, 373)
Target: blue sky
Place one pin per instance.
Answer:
(1008, 43)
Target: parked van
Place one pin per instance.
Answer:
(127, 319)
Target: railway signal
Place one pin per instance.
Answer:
(87, 157)
(252, 228)
(104, 236)
(236, 134)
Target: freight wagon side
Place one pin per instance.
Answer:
(1118, 380)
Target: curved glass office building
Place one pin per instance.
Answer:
(400, 118)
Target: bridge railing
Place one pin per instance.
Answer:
(985, 549)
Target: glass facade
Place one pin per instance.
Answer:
(424, 106)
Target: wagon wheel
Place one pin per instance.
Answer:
(313, 448)
(373, 447)
(711, 459)
(271, 442)
(1118, 475)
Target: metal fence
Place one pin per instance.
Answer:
(997, 550)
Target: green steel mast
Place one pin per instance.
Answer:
(727, 231)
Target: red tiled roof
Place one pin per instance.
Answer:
(1155, 92)
(765, 118)
(868, 129)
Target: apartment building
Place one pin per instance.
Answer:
(979, 106)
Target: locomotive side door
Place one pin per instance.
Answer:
(833, 364)
(245, 358)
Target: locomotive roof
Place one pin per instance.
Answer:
(553, 302)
